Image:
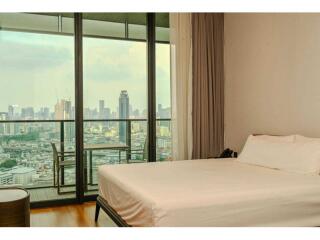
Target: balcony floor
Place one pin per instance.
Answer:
(50, 193)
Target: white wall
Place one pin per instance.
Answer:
(272, 75)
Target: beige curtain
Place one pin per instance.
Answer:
(207, 84)
(181, 85)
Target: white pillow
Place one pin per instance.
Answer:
(262, 152)
(298, 157)
(301, 139)
(289, 138)
(305, 158)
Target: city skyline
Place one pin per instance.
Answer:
(29, 113)
(64, 110)
(25, 150)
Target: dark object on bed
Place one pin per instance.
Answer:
(101, 203)
(228, 153)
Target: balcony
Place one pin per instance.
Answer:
(26, 156)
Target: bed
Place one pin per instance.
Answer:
(210, 192)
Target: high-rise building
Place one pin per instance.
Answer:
(63, 110)
(104, 112)
(3, 116)
(94, 114)
(22, 175)
(10, 112)
(27, 113)
(44, 113)
(67, 109)
(13, 112)
(59, 110)
(164, 113)
(6, 178)
(101, 109)
(123, 114)
(3, 126)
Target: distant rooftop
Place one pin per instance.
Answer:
(22, 170)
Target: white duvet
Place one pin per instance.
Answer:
(211, 192)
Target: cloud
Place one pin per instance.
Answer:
(37, 69)
(110, 60)
(29, 56)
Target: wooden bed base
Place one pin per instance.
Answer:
(102, 203)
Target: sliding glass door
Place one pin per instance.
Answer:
(37, 104)
(115, 90)
(43, 66)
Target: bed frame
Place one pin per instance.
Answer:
(119, 221)
(102, 203)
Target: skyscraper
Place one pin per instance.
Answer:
(44, 113)
(67, 109)
(27, 113)
(10, 112)
(62, 110)
(101, 109)
(3, 126)
(59, 110)
(13, 112)
(123, 114)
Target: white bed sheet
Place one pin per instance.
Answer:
(211, 192)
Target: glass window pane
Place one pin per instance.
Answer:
(162, 34)
(67, 25)
(137, 31)
(37, 79)
(102, 28)
(114, 70)
(26, 21)
(115, 95)
(37, 22)
(163, 99)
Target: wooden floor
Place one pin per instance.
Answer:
(81, 215)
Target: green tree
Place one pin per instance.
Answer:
(8, 164)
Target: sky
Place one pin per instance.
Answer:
(38, 69)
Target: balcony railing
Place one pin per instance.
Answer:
(26, 157)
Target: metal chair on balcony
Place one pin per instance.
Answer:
(59, 162)
(143, 152)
